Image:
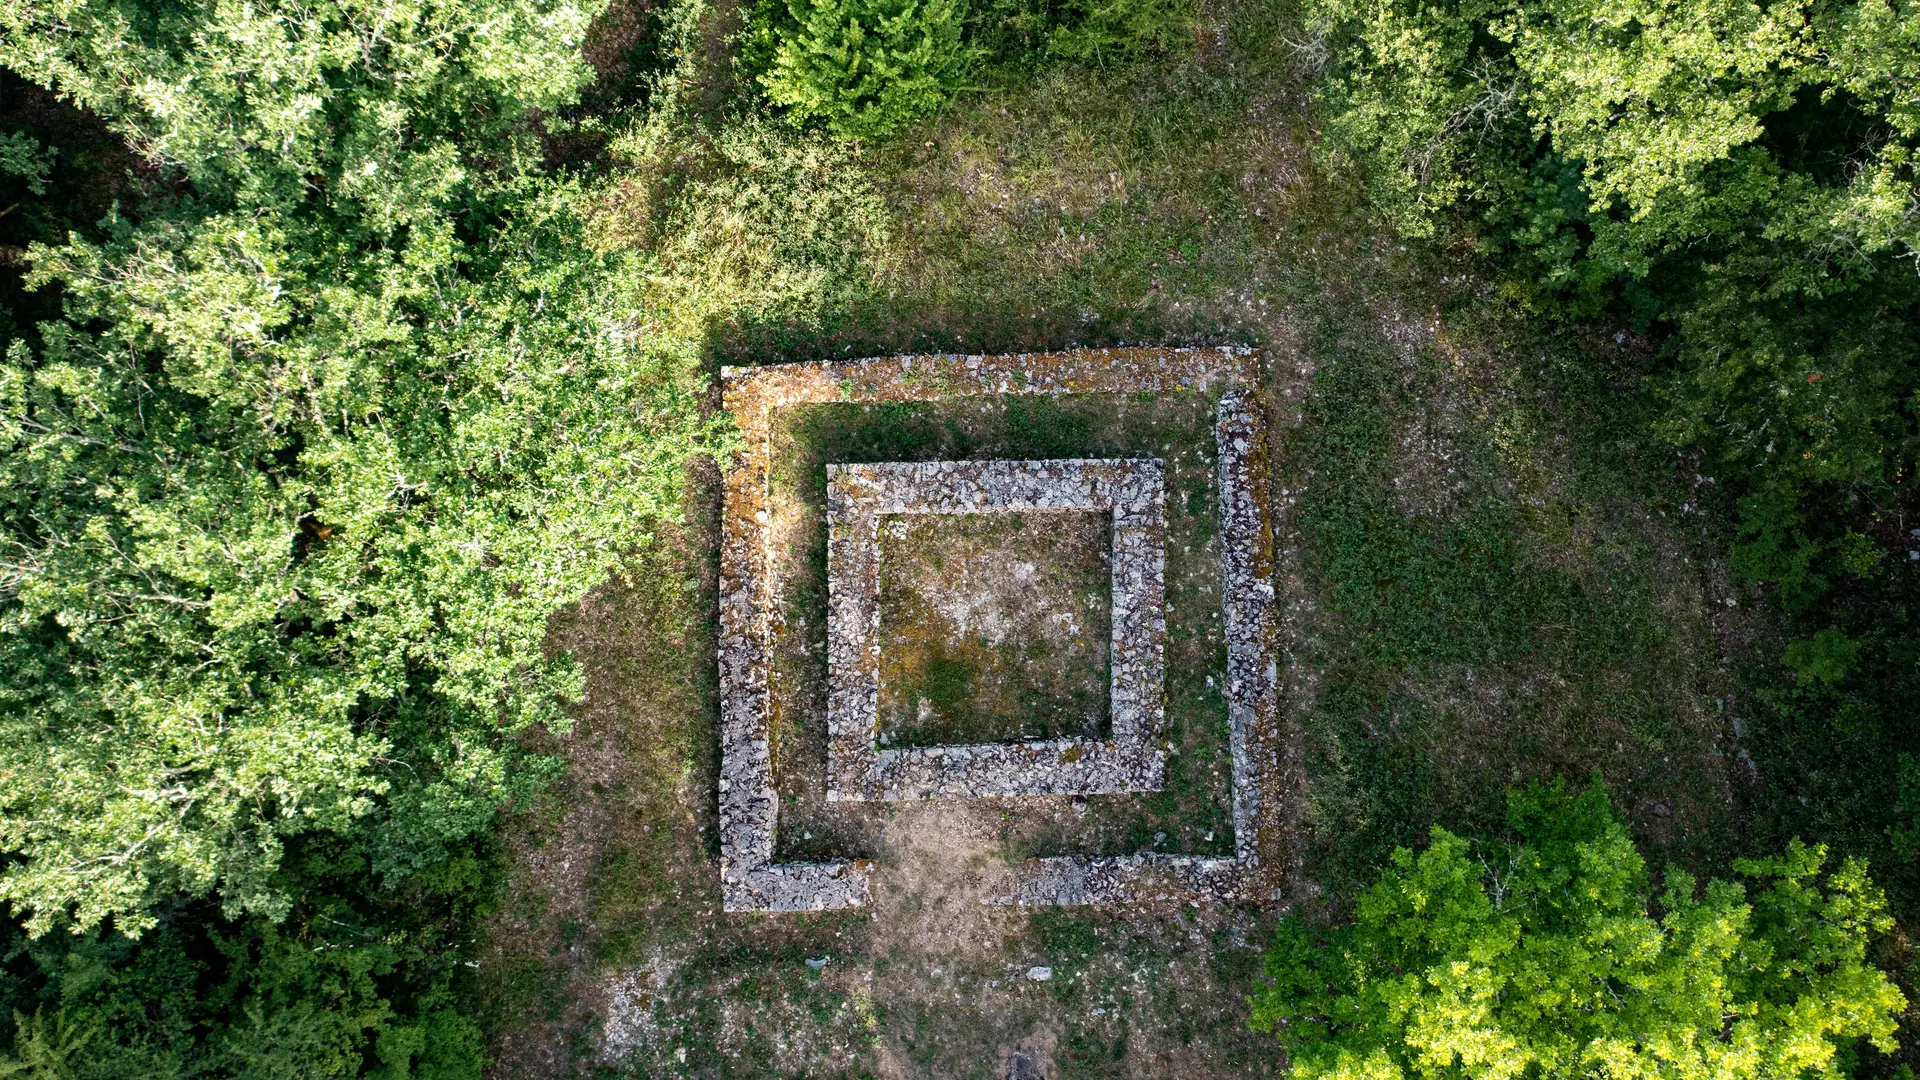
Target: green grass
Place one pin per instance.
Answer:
(993, 628)
(1491, 578)
(1503, 600)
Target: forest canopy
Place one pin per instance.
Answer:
(338, 404)
(298, 476)
(1739, 178)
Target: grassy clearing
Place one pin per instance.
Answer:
(608, 948)
(1172, 202)
(994, 628)
(1501, 598)
(1483, 581)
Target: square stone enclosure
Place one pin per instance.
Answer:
(751, 879)
(858, 496)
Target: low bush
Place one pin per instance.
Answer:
(866, 67)
(869, 67)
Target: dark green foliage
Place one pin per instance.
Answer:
(1825, 659)
(61, 168)
(1550, 952)
(1737, 177)
(358, 979)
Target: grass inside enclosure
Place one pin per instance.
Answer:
(1046, 585)
(994, 627)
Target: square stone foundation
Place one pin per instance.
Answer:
(859, 495)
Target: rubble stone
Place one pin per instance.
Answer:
(1131, 760)
(1133, 491)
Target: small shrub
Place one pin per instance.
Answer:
(868, 67)
(1825, 659)
(1097, 31)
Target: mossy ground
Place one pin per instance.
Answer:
(1486, 577)
(994, 628)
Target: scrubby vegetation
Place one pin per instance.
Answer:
(348, 344)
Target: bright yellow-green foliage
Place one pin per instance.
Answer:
(1553, 956)
(868, 67)
(865, 67)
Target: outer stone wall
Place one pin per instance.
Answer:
(1129, 488)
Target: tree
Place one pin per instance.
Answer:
(1738, 176)
(341, 402)
(1678, 118)
(336, 417)
(279, 600)
(1550, 955)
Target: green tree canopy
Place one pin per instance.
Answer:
(1796, 120)
(1552, 955)
(1741, 176)
(339, 412)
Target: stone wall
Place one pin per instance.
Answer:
(1130, 489)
